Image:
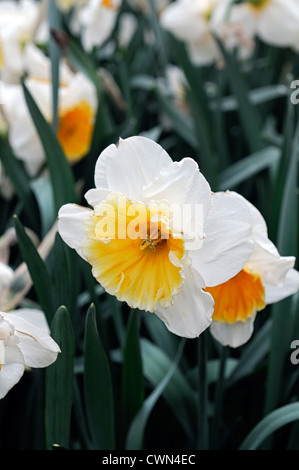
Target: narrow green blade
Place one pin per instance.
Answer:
(98, 390)
(59, 382)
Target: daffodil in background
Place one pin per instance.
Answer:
(20, 23)
(183, 237)
(196, 22)
(25, 341)
(76, 111)
(95, 20)
(266, 278)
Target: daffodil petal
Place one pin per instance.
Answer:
(71, 218)
(130, 165)
(266, 260)
(192, 309)
(181, 183)
(289, 286)
(96, 196)
(270, 22)
(232, 334)
(10, 374)
(228, 240)
(37, 334)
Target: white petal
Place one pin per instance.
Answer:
(32, 315)
(192, 309)
(232, 334)
(35, 333)
(129, 166)
(184, 19)
(278, 23)
(6, 275)
(95, 196)
(37, 354)
(266, 260)
(180, 183)
(10, 375)
(228, 242)
(71, 218)
(289, 286)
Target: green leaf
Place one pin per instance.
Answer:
(59, 382)
(253, 353)
(60, 171)
(248, 167)
(178, 393)
(281, 311)
(132, 373)
(20, 181)
(54, 20)
(249, 114)
(183, 125)
(38, 271)
(137, 429)
(43, 192)
(273, 421)
(98, 390)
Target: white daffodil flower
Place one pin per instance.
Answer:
(196, 22)
(95, 21)
(273, 21)
(19, 23)
(156, 235)
(77, 104)
(266, 278)
(24, 342)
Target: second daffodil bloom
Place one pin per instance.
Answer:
(196, 22)
(273, 21)
(266, 278)
(24, 342)
(76, 112)
(156, 235)
(95, 21)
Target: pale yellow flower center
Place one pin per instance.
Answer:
(134, 255)
(208, 8)
(258, 5)
(238, 298)
(75, 130)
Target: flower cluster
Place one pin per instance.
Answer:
(200, 23)
(214, 267)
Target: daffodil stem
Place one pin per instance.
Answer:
(219, 400)
(203, 428)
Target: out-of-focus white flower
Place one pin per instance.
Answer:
(95, 21)
(157, 235)
(19, 22)
(266, 278)
(196, 22)
(25, 341)
(275, 21)
(76, 112)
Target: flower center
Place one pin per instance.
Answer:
(208, 8)
(238, 298)
(258, 5)
(75, 131)
(133, 253)
(109, 4)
